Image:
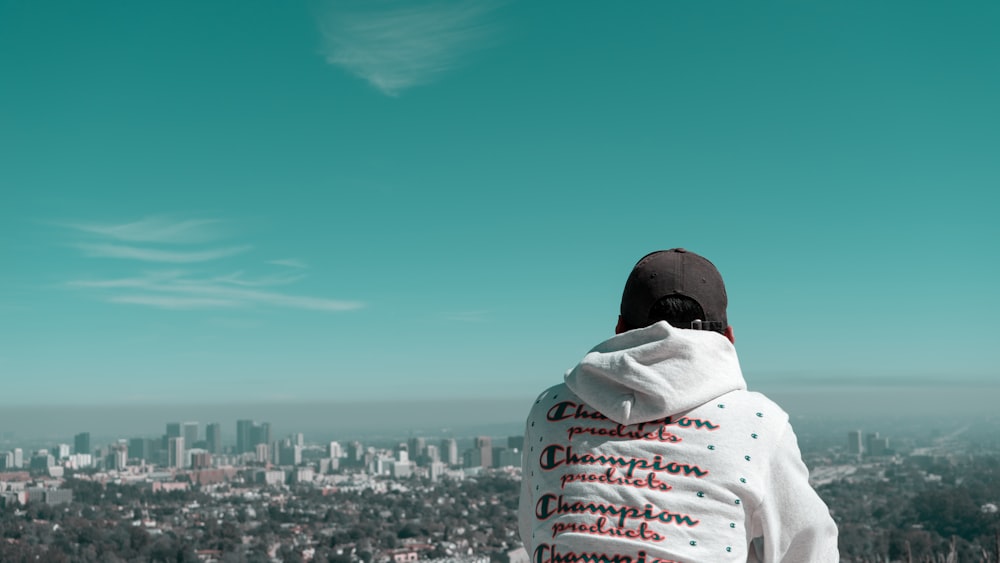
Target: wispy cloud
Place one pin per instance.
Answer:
(290, 262)
(397, 46)
(178, 291)
(238, 278)
(158, 255)
(156, 230)
(168, 302)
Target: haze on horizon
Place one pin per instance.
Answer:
(847, 404)
(320, 202)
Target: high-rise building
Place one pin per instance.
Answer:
(355, 451)
(263, 453)
(485, 446)
(189, 430)
(244, 428)
(472, 457)
(137, 448)
(417, 447)
(174, 430)
(118, 457)
(854, 444)
(289, 453)
(869, 439)
(449, 451)
(81, 443)
(260, 434)
(18, 458)
(41, 461)
(274, 450)
(437, 470)
(62, 451)
(213, 435)
(6, 460)
(175, 452)
(334, 450)
(433, 454)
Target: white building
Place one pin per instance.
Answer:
(175, 452)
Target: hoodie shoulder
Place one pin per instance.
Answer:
(759, 404)
(548, 398)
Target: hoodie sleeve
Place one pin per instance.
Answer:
(791, 524)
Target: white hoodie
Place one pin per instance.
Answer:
(653, 451)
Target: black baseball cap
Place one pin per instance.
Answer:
(674, 272)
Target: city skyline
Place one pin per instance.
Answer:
(402, 501)
(252, 442)
(244, 204)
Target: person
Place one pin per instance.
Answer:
(654, 451)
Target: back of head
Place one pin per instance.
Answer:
(676, 286)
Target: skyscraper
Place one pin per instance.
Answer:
(250, 433)
(485, 446)
(355, 453)
(118, 458)
(416, 446)
(139, 448)
(81, 443)
(869, 445)
(189, 430)
(175, 452)
(854, 444)
(213, 435)
(263, 453)
(260, 434)
(334, 450)
(243, 431)
(174, 430)
(449, 451)
(289, 453)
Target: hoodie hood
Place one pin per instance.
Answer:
(656, 372)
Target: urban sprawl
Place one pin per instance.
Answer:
(925, 495)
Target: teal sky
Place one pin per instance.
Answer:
(284, 200)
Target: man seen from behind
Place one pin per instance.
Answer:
(654, 451)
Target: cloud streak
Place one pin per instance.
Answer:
(290, 262)
(168, 302)
(178, 291)
(404, 46)
(155, 230)
(157, 255)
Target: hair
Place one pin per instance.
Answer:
(679, 311)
